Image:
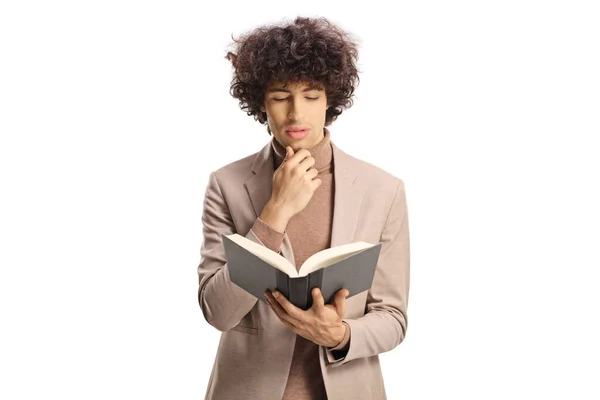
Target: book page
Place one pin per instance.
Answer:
(265, 254)
(331, 255)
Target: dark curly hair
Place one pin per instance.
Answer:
(309, 50)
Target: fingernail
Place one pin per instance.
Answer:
(276, 294)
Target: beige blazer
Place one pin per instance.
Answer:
(255, 350)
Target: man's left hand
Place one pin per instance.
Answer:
(321, 324)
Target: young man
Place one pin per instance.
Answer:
(299, 195)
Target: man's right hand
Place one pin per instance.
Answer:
(294, 184)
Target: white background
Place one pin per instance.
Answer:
(114, 113)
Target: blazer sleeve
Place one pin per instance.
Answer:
(222, 302)
(384, 324)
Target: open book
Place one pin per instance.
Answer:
(256, 268)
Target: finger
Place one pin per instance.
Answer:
(318, 301)
(316, 183)
(340, 301)
(307, 163)
(280, 312)
(292, 327)
(312, 173)
(293, 311)
(275, 309)
(297, 157)
(289, 151)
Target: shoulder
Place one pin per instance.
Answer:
(382, 191)
(236, 171)
(373, 177)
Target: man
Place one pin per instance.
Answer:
(299, 195)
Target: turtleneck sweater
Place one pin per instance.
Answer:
(309, 232)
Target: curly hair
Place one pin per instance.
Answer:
(309, 50)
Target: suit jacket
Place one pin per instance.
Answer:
(255, 349)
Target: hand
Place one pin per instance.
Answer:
(294, 182)
(321, 324)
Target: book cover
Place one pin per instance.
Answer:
(256, 268)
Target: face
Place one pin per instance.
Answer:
(295, 113)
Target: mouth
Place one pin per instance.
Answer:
(294, 134)
(297, 132)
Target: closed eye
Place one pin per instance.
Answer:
(307, 98)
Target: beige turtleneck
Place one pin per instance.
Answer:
(309, 232)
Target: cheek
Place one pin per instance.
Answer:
(277, 113)
(318, 115)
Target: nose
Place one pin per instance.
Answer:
(295, 111)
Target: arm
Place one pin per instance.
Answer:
(383, 327)
(222, 302)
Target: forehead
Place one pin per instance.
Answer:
(293, 86)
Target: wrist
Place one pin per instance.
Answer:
(339, 337)
(275, 216)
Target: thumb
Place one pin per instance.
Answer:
(289, 151)
(340, 301)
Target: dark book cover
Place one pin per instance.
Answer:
(354, 272)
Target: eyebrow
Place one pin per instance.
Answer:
(307, 89)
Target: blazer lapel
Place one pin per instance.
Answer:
(348, 194)
(260, 185)
(348, 198)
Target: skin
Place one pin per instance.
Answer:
(295, 104)
(294, 184)
(321, 324)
